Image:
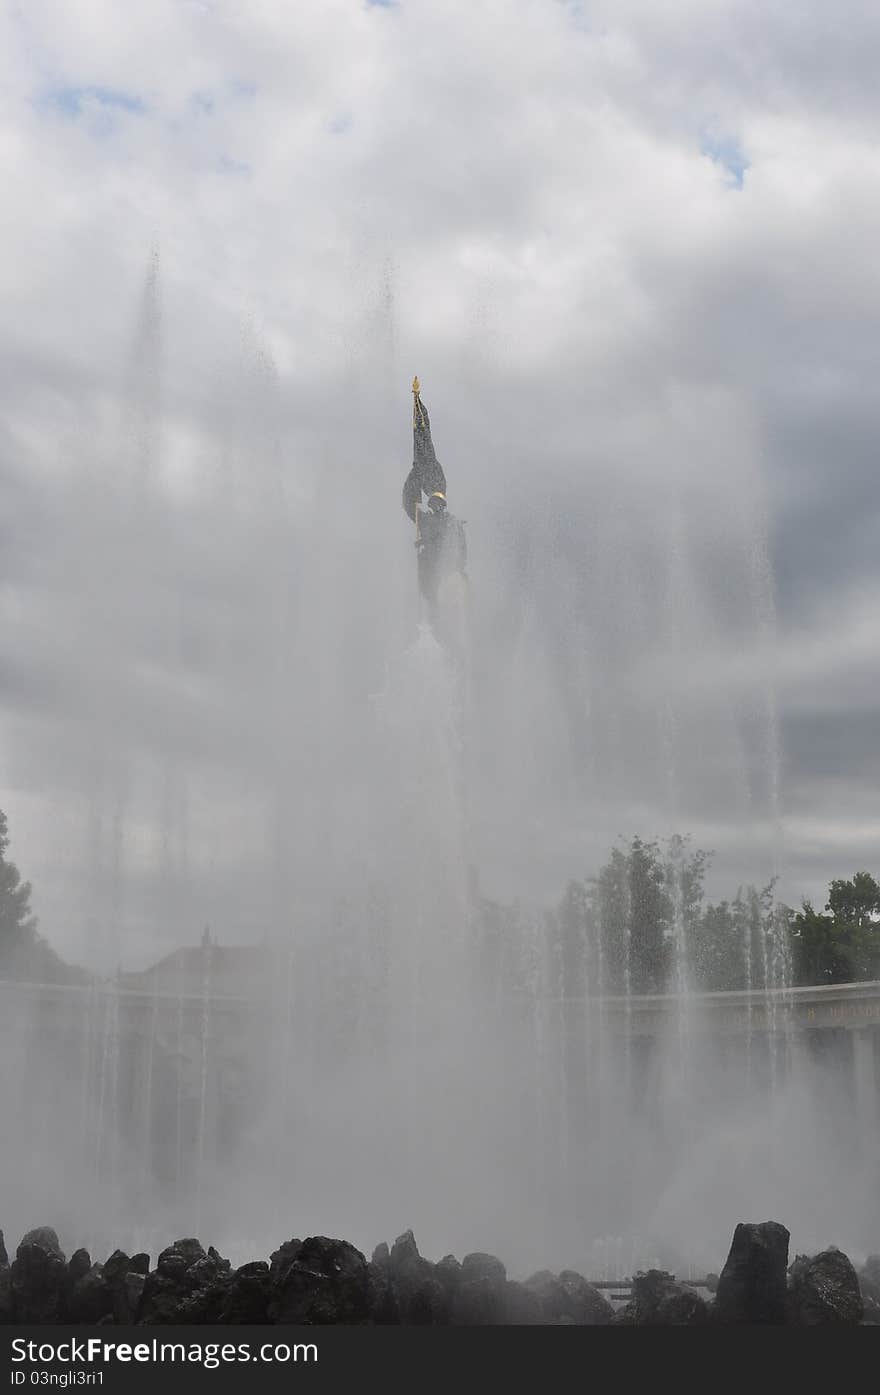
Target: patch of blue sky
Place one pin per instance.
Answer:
(581, 17)
(72, 101)
(381, 4)
(341, 123)
(724, 151)
(206, 102)
(226, 165)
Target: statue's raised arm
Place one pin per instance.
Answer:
(426, 476)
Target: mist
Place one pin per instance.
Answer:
(222, 706)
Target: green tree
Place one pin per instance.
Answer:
(717, 960)
(23, 953)
(642, 901)
(855, 906)
(684, 874)
(743, 943)
(844, 945)
(610, 917)
(18, 928)
(651, 909)
(855, 903)
(818, 957)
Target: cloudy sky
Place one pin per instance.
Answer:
(631, 252)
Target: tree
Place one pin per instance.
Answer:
(642, 917)
(18, 928)
(652, 895)
(743, 943)
(718, 960)
(818, 958)
(855, 903)
(684, 874)
(855, 906)
(644, 906)
(844, 945)
(611, 917)
(652, 933)
(23, 953)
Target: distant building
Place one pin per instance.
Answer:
(233, 971)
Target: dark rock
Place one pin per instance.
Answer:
(569, 1298)
(205, 1304)
(427, 1305)
(89, 1297)
(125, 1286)
(46, 1238)
(7, 1308)
(426, 1291)
(405, 1263)
(404, 1250)
(246, 1297)
(127, 1297)
(4, 1257)
(328, 1282)
(208, 1269)
(447, 1272)
(587, 1307)
(187, 1286)
(164, 1302)
(752, 1284)
(549, 1294)
(658, 1300)
(521, 1307)
(479, 1302)
(188, 1250)
(116, 1267)
(199, 1309)
(78, 1265)
(869, 1278)
(870, 1291)
(421, 1299)
(480, 1296)
(205, 1289)
(282, 1258)
(161, 1298)
(480, 1266)
(384, 1309)
(39, 1283)
(824, 1289)
(871, 1309)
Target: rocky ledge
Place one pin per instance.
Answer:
(325, 1281)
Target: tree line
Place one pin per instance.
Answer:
(642, 924)
(24, 954)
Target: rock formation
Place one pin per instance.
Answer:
(324, 1281)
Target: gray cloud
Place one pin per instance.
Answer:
(652, 390)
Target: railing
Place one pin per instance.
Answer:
(815, 1007)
